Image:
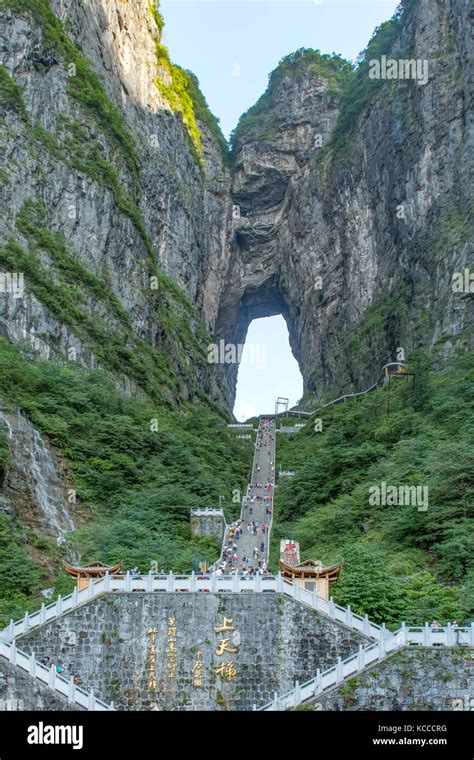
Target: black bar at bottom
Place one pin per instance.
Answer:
(243, 735)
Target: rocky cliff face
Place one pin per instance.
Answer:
(353, 225)
(122, 188)
(34, 485)
(353, 209)
(268, 274)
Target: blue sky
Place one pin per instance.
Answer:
(232, 46)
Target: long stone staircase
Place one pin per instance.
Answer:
(256, 512)
(255, 506)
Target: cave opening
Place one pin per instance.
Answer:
(268, 369)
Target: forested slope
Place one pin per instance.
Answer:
(401, 563)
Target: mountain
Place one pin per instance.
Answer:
(355, 202)
(133, 238)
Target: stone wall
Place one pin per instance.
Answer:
(208, 522)
(413, 679)
(19, 691)
(275, 641)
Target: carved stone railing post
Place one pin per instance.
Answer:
(339, 670)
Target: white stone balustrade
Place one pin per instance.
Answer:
(427, 636)
(50, 678)
(384, 642)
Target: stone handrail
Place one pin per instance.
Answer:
(209, 512)
(48, 676)
(273, 481)
(216, 564)
(213, 583)
(426, 636)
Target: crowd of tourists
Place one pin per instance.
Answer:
(250, 557)
(247, 565)
(265, 435)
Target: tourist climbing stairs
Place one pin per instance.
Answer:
(245, 547)
(242, 567)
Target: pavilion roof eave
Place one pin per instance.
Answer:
(95, 568)
(310, 569)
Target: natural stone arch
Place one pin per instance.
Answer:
(239, 309)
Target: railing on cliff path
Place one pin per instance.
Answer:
(299, 413)
(234, 584)
(272, 481)
(48, 675)
(425, 636)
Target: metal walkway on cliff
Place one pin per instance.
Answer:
(307, 415)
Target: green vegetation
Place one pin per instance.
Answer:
(80, 149)
(259, 118)
(11, 94)
(182, 93)
(32, 223)
(182, 337)
(175, 92)
(135, 485)
(87, 304)
(358, 89)
(20, 577)
(180, 89)
(400, 563)
(101, 170)
(81, 152)
(453, 228)
(388, 316)
(104, 438)
(84, 84)
(153, 6)
(204, 115)
(4, 455)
